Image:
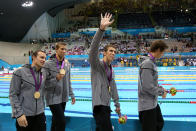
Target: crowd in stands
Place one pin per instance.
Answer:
(125, 44)
(166, 61)
(133, 62)
(132, 44)
(128, 45)
(49, 48)
(190, 62)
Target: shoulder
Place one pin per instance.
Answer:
(147, 64)
(19, 70)
(48, 62)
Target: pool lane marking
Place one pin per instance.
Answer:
(137, 80)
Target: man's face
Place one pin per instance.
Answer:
(40, 59)
(110, 54)
(159, 53)
(61, 50)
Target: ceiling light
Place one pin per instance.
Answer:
(1, 13)
(27, 4)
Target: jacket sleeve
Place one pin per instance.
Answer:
(71, 94)
(115, 96)
(147, 80)
(94, 49)
(51, 80)
(14, 93)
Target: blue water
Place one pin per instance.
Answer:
(182, 78)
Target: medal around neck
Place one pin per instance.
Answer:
(109, 89)
(62, 71)
(37, 95)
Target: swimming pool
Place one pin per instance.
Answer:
(180, 107)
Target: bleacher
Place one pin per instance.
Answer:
(134, 20)
(166, 19)
(173, 19)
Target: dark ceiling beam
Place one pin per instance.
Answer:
(15, 21)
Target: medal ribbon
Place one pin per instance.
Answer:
(152, 57)
(109, 74)
(57, 63)
(40, 80)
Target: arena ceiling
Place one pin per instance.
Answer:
(16, 20)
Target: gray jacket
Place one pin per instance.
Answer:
(57, 92)
(99, 80)
(21, 93)
(148, 88)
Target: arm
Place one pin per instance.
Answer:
(115, 97)
(14, 93)
(94, 49)
(147, 81)
(71, 94)
(51, 81)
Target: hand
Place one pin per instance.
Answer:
(105, 21)
(73, 101)
(59, 76)
(165, 93)
(22, 121)
(117, 110)
(160, 86)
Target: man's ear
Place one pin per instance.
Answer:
(33, 58)
(104, 53)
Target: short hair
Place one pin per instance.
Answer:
(35, 53)
(158, 44)
(57, 45)
(107, 46)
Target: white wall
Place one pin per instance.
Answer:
(13, 53)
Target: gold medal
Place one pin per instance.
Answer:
(37, 95)
(109, 89)
(62, 71)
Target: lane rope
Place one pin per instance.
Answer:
(134, 101)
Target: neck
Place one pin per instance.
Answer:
(153, 54)
(106, 60)
(37, 67)
(59, 58)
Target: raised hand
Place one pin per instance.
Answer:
(106, 21)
